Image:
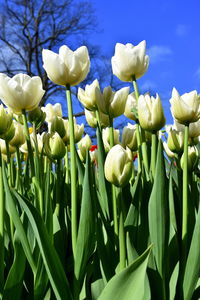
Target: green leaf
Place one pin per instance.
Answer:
(129, 284)
(86, 230)
(103, 193)
(14, 281)
(192, 269)
(159, 213)
(50, 257)
(14, 214)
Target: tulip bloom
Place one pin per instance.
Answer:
(131, 107)
(21, 92)
(118, 165)
(150, 113)
(90, 96)
(92, 120)
(129, 138)
(52, 111)
(113, 103)
(68, 67)
(186, 108)
(78, 131)
(130, 61)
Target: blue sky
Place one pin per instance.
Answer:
(172, 32)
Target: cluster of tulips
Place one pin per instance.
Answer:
(119, 219)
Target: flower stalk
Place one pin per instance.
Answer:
(73, 171)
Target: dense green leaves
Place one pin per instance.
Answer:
(130, 283)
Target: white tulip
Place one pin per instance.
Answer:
(106, 138)
(150, 112)
(113, 103)
(78, 131)
(118, 165)
(90, 96)
(129, 138)
(19, 137)
(21, 92)
(52, 111)
(131, 104)
(130, 61)
(68, 67)
(186, 108)
(92, 120)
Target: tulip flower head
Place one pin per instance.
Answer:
(68, 67)
(186, 108)
(90, 96)
(113, 103)
(21, 92)
(118, 165)
(150, 112)
(52, 111)
(130, 61)
(129, 138)
(131, 107)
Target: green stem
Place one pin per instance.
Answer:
(66, 167)
(135, 86)
(8, 164)
(139, 143)
(58, 171)
(141, 133)
(2, 213)
(73, 172)
(122, 243)
(28, 141)
(114, 205)
(185, 192)
(111, 133)
(98, 119)
(18, 184)
(153, 153)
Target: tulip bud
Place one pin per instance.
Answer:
(192, 158)
(37, 116)
(175, 140)
(78, 131)
(5, 120)
(54, 146)
(57, 125)
(84, 146)
(19, 137)
(113, 103)
(169, 153)
(106, 138)
(21, 92)
(90, 96)
(130, 61)
(186, 108)
(118, 165)
(150, 113)
(9, 134)
(52, 111)
(68, 67)
(131, 107)
(129, 138)
(92, 120)
(3, 148)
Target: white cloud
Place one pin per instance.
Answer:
(159, 53)
(148, 85)
(197, 73)
(182, 30)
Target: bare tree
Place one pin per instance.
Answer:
(28, 26)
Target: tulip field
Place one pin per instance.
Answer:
(115, 219)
